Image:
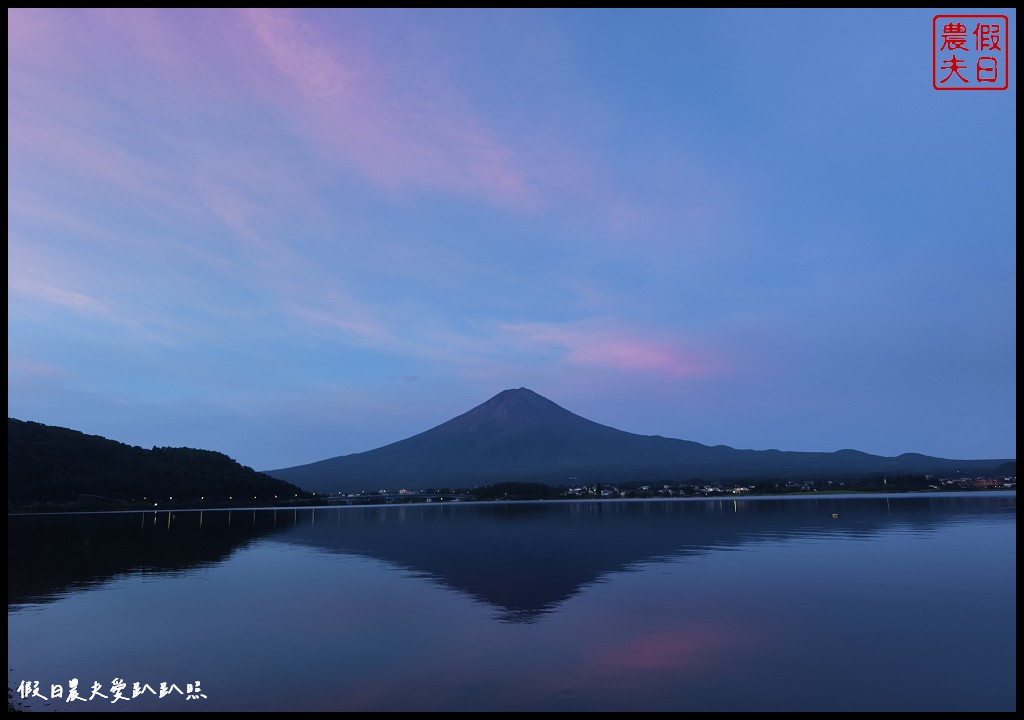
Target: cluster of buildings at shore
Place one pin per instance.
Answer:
(680, 490)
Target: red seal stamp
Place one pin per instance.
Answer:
(970, 52)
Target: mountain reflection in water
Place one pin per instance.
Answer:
(523, 559)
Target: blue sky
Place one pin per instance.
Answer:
(288, 235)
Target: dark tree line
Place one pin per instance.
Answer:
(55, 467)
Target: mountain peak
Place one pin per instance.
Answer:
(519, 404)
(516, 395)
(515, 392)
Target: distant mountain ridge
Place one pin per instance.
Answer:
(519, 435)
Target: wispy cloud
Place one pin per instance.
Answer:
(608, 345)
(27, 368)
(32, 275)
(398, 135)
(334, 311)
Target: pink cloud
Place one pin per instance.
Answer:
(185, 50)
(374, 116)
(136, 52)
(397, 120)
(33, 33)
(392, 113)
(593, 344)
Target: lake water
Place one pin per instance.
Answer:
(829, 603)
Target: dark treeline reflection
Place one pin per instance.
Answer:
(523, 559)
(48, 555)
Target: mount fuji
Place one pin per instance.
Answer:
(519, 435)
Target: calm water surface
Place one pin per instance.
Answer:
(902, 603)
